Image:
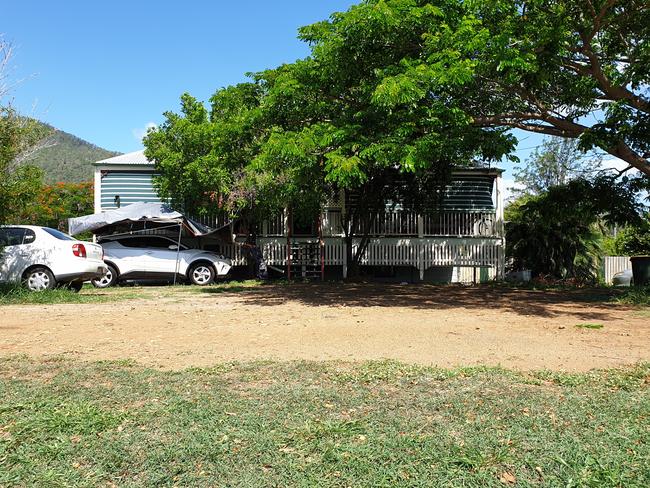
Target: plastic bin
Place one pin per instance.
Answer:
(641, 270)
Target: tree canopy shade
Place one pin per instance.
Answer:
(578, 69)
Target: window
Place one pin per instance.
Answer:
(58, 234)
(158, 242)
(147, 242)
(30, 236)
(12, 236)
(16, 236)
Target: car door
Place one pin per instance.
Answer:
(16, 252)
(131, 255)
(161, 258)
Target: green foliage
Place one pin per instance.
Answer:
(358, 114)
(636, 295)
(557, 232)
(19, 184)
(15, 294)
(633, 240)
(319, 424)
(590, 325)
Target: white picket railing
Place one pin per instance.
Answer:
(395, 223)
(482, 224)
(400, 222)
(421, 253)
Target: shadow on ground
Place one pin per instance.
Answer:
(592, 304)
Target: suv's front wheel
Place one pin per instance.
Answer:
(201, 274)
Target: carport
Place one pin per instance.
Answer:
(150, 219)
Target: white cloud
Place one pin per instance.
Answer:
(140, 132)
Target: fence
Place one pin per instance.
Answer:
(403, 222)
(421, 253)
(613, 265)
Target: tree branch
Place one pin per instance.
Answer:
(615, 92)
(561, 128)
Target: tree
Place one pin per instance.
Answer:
(634, 240)
(19, 183)
(324, 124)
(404, 90)
(557, 162)
(576, 69)
(558, 232)
(55, 204)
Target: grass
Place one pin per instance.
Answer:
(66, 423)
(634, 295)
(590, 326)
(18, 295)
(227, 287)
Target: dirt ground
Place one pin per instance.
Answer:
(175, 328)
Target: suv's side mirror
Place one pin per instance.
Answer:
(173, 247)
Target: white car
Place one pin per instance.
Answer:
(43, 258)
(154, 257)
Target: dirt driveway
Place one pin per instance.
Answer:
(445, 326)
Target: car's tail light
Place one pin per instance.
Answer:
(79, 250)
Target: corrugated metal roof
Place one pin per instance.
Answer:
(134, 158)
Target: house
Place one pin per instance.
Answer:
(463, 241)
(122, 180)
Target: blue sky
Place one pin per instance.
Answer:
(103, 71)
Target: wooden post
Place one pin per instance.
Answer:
(288, 231)
(321, 243)
(498, 183)
(421, 264)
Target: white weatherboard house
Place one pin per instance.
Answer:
(122, 180)
(462, 242)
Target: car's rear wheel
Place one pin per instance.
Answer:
(201, 274)
(39, 279)
(108, 279)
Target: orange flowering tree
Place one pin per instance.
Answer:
(55, 204)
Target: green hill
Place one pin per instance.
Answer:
(69, 158)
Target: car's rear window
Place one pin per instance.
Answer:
(58, 234)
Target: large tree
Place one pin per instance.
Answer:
(402, 90)
(19, 183)
(322, 124)
(577, 69)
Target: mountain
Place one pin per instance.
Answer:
(68, 158)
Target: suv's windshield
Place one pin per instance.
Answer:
(58, 234)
